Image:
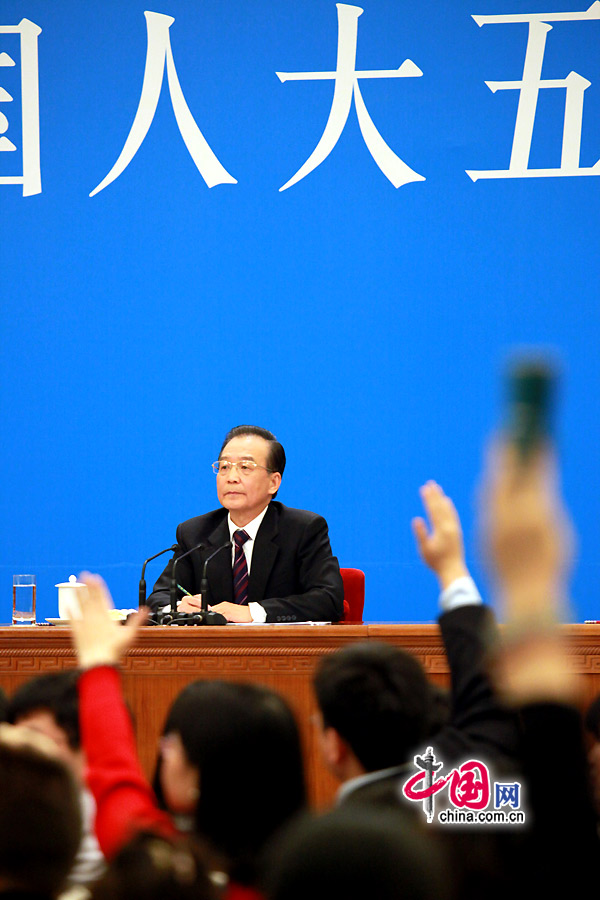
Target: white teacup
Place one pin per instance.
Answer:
(68, 601)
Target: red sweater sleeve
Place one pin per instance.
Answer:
(125, 801)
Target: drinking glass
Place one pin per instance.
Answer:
(23, 600)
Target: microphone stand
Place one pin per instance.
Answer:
(202, 616)
(142, 586)
(173, 587)
(211, 618)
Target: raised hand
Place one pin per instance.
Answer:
(98, 638)
(528, 543)
(441, 545)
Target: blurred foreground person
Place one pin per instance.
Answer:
(49, 705)
(529, 542)
(592, 725)
(150, 867)
(40, 824)
(231, 759)
(357, 854)
(242, 743)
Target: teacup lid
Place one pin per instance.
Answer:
(72, 582)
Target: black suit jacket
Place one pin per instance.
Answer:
(479, 725)
(293, 574)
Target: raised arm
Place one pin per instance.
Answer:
(529, 546)
(478, 724)
(528, 541)
(441, 544)
(124, 800)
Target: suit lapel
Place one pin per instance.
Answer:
(263, 555)
(219, 574)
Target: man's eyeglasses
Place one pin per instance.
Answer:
(245, 467)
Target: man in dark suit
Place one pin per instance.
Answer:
(280, 567)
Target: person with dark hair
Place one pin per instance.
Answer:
(376, 704)
(280, 567)
(39, 816)
(215, 721)
(212, 730)
(356, 854)
(49, 705)
(376, 700)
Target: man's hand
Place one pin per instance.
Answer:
(232, 612)
(441, 548)
(527, 532)
(98, 639)
(528, 544)
(190, 604)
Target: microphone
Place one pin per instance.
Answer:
(173, 588)
(142, 587)
(204, 580)
(202, 616)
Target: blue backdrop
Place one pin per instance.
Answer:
(364, 324)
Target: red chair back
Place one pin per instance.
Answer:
(354, 594)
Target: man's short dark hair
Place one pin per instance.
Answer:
(55, 693)
(40, 820)
(276, 460)
(378, 699)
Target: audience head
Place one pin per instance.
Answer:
(152, 867)
(40, 820)
(49, 704)
(242, 743)
(356, 853)
(378, 700)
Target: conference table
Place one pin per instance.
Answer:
(283, 657)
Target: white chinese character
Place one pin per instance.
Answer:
(31, 179)
(529, 88)
(158, 52)
(346, 85)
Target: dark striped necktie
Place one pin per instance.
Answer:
(240, 568)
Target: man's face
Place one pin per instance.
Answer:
(245, 496)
